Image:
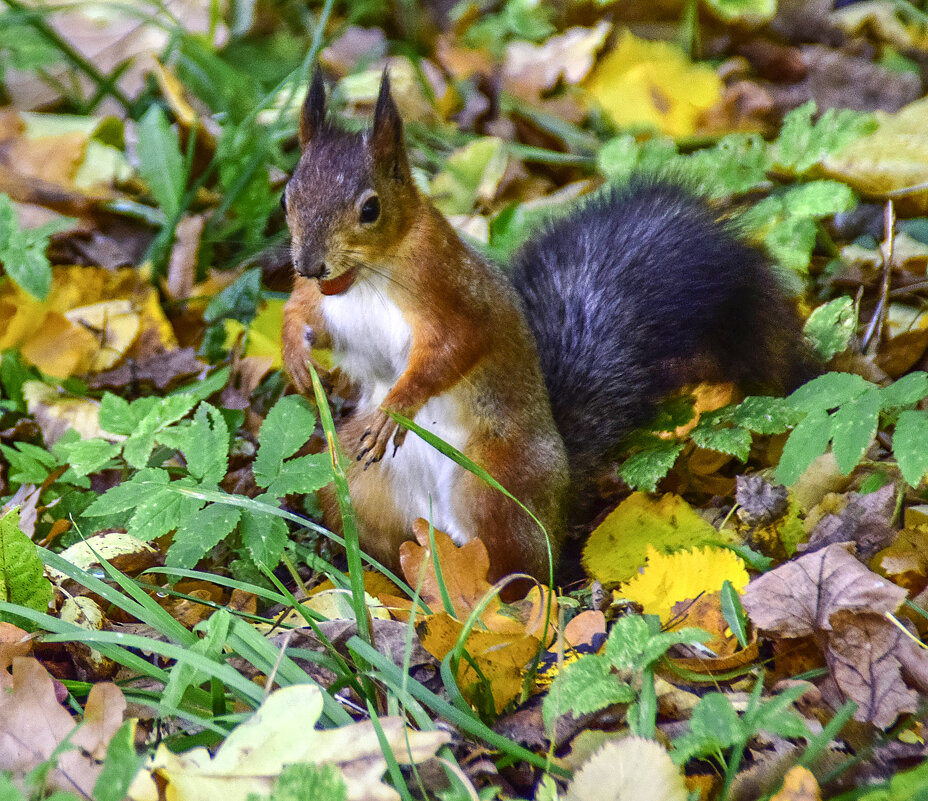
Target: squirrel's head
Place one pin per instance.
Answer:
(352, 197)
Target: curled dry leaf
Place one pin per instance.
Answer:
(633, 769)
(799, 598)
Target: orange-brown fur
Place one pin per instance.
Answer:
(471, 356)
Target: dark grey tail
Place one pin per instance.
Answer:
(639, 292)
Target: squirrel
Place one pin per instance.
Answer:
(537, 378)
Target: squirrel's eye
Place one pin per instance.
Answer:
(370, 210)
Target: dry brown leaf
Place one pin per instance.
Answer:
(33, 724)
(799, 598)
(163, 370)
(864, 520)
(862, 653)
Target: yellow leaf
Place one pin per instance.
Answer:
(670, 579)
(654, 83)
(265, 331)
(114, 324)
(618, 546)
(56, 411)
(893, 157)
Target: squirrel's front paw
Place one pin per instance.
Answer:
(376, 438)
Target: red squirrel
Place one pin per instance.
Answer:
(635, 294)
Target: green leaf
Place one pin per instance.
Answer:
(303, 475)
(776, 715)
(201, 532)
(765, 415)
(752, 12)
(806, 443)
(204, 441)
(714, 726)
(802, 144)
(29, 464)
(22, 575)
(118, 416)
(301, 781)
(908, 390)
(734, 441)
(86, 456)
(627, 641)
(828, 391)
(733, 612)
(831, 326)
(818, 199)
(121, 764)
(910, 444)
(238, 301)
(164, 510)
(853, 426)
(790, 242)
(160, 161)
(586, 685)
(22, 252)
(662, 641)
(130, 493)
(138, 447)
(264, 536)
(284, 431)
(644, 469)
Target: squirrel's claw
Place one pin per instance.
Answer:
(376, 437)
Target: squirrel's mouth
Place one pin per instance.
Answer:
(341, 283)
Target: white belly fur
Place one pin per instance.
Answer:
(420, 476)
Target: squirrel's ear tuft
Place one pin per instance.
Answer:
(313, 116)
(387, 144)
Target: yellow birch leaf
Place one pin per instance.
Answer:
(669, 579)
(654, 83)
(618, 546)
(264, 333)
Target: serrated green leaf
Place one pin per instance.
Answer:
(160, 161)
(201, 532)
(808, 440)
(658, 644)
(765, 415)
(22, 575)
(204, 441)
(853, 426)
(129, 494)
(908, 390)
(644, 469)
(586, 685)
(285, 430)
(118, 416)
(715, 721)
(776, 715)
(86, 456)
(734, 441)
(22, 252)
(803, 143)
(627, 641)
(910, 445)
(264, 536)
(29, 464)
(138, 447)
(828, 391)
(831, 326)
(301, 781)
(818, 199)
(303, 475)
(790, 242)
(164, 510)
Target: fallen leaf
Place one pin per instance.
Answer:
(33, 724)
(163, 370)
(653, 83)
(633, 769)
(669, 579)
(862, 655)
(282, 732)
(799, 785)
(619, 545)
(799, 598)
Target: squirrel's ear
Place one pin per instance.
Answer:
(387, 144)
(313, 116)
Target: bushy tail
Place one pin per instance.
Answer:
(638, 293)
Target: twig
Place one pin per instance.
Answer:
(874, 333)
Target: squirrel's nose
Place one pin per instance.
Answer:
(310, 267)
